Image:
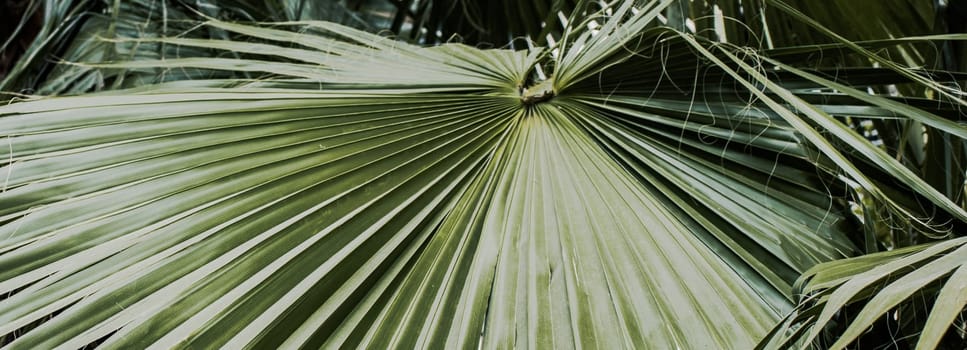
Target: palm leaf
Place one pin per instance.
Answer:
(885, 287)
(657, 190)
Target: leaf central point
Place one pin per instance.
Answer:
(537, 93)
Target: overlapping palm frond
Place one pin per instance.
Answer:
(912, 297)
(74, 31)
(658, 189)
(82, 31)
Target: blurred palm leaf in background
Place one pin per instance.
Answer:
(662, 174)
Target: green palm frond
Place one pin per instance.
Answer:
(889, 288)
(631, 185)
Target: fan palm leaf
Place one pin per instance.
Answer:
(885, 288)
(658, 189)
